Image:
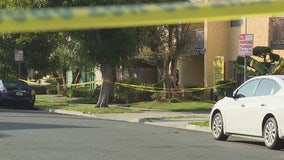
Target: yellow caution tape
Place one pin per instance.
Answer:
(141, 87)
(81, 84)
(50, 19)
(29, 82)
(175, 90)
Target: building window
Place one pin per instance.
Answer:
(237, 23)
(199, 38)
(199, 46)
(277, 38)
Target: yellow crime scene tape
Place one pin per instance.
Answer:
(155, 89)
(175, 90)
(144, 88)
(99, 17)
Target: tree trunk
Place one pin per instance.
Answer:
(61, 80)
(107, 76)
(167, 61)
(174, 73)
(167, 80)
(76, 76)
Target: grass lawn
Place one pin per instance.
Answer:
(84, 105)
(202, 123)
(88, 105)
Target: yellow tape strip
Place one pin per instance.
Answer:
(176, 90)
(50, 19)
(141, 87)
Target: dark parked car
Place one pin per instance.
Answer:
(16, 93)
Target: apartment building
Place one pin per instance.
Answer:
(218, 47)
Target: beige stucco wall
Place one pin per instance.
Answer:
(191, 70)
(259, 27)
(221, 39)
(216, 44)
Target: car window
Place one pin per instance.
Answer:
(1, 84)
(14, 83)
(276, 88)
(265, 87)
(247, 90)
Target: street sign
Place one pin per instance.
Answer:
(246, 44)
(19, 55)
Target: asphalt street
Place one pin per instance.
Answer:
(34, 135)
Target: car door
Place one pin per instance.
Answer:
(254, 112)
(243, 98)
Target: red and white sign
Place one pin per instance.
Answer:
(246, 44)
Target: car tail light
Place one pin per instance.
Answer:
(4, 90)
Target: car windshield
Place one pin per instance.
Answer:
(15, 83)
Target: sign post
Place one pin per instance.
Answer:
(19, 57)
(245, 49)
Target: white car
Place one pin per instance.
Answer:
(256, 108)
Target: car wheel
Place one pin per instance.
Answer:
(270, 134)
(217, 127)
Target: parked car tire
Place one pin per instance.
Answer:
(270, 134)
(217, 127)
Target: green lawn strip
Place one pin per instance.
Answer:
(80, 100)
(86, 108)
(181, 106)
(200, 123)
(87, 105)
(93, 110)
(47, 96)
(83, 101)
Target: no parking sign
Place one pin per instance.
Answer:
(246, 44)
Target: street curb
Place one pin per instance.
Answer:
(140, 120)
(60, 111)
(188, 126)
(198, 128)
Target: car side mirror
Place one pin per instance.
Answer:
(229, 94)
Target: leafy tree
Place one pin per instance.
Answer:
(67, 56)
(106, 48)
(36, 46)
(7, 62)
(263, 62)
(167, 44)
(278, 68)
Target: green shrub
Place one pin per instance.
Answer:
(174, 100)
(157, 95)
(224, 85)
(274, 57)
(127, 91)
(196, 90)
(52, 81)
(82, 92)
(40, 89)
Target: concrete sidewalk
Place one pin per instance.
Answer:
(152, 117)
